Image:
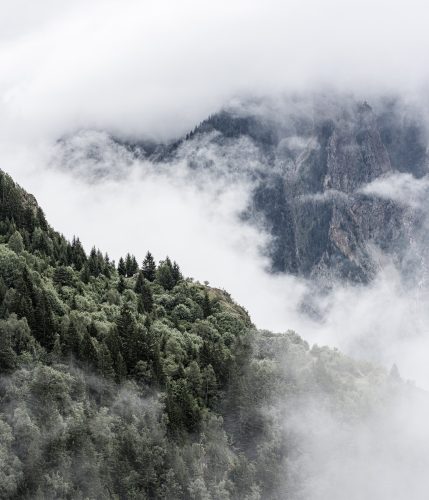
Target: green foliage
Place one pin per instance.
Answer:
(149, 267)
(168, 275)
(122, 384)
(16, 243)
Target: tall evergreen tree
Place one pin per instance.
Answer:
(122, 270)
(113, 343)
(139, 286)
(88, 353)
(16, 242)
(71, 341)
(149, 267)
(168, 275)
(78, 256)
(131, 266)
(104, 362)
(44, 325)
(207, 307)
(130, 337)
(121, 284)
(177, 275)
(7, 354)
(145, 297)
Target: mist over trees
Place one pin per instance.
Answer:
(121, 381)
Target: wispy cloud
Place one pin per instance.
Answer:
(403, 188)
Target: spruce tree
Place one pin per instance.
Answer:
(149, 267)
(147, 299)
(139, 286)
(113, 343)
(121, 284)
(44, 326)
(165, 275)
(85, 274)
(131, 266)
(207, 307)
(16, 242)
(70, 345)
(87, 351)
(177, 275)
(94, 262)
(78, 256)
(7, 354)
(122, 270)
(134, 266)
(104, 362)
(130, 337)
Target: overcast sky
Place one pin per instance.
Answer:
(155, 67)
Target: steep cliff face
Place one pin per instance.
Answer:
(309, 161)
(308, 185)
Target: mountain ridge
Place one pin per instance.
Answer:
(158, 385)
(308, 188)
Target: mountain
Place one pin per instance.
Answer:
(309, 161)
(132, 381)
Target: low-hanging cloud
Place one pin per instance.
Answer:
(403, 188)
(157, 68)
(120, 203)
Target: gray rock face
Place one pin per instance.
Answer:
(308, 189)
(309, 160)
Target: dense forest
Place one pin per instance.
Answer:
(128, 380)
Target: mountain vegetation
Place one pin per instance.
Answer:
(131, 381)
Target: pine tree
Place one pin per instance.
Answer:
(105, 363)
(122, 270)
(71, 342)
(131, 266)
(177, 275)
(63, 276)
(78, 255)
(87, 351)
(3, 289)
(121, 284)
(140, 305)
(92, 330)
(23, 303)
(207, 307)
(130, 337)
(134, 266)
(113, 343)
(149, 267)
(165, 274)
(107, 266)
(85, 274)
(44, 326)
(7, 354)
(16, 242)
(147, 299)
(139, 286)
(95, 262)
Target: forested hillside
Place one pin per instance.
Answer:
(129, 380)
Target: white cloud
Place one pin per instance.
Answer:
(403, 188)
(193, 216)
(157, 68)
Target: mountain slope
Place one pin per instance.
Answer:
(134, 382)
(309, 161)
